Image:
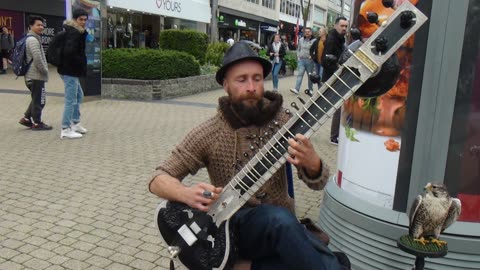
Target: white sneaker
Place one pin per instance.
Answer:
(78, 128)
(293, 90)
(69, 133)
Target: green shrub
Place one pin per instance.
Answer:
(148, 64)
(291, 60)
(215, 52)
(208, 69)
(192, 42)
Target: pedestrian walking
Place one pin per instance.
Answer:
(6, 46)
(276, 51)
(316, 51)
(304, 59)
(72, 67)
(334, 46)
(36, 76)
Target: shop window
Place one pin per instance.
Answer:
(253, 1)
(462, 173)
(319, 15)
(268, 4)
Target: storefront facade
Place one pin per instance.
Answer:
(137, 24)
(244, 26)
(433, 113)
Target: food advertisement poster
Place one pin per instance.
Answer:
(371, 128)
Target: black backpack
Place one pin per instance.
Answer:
(55, 49)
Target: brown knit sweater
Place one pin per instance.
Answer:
(222, 140)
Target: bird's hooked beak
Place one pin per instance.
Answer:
(428, 187)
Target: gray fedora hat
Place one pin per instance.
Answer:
(238, 52)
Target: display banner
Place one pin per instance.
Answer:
(371, 129)
(14, 22)
(92, 84)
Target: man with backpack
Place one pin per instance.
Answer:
(72, 66)
(36, 75)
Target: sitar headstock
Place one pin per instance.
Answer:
(389, 36)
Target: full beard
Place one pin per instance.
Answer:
(248, 114)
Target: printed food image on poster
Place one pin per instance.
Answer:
(371, 128)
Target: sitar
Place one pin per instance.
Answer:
(204, 240)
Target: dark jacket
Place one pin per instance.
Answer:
(74, 60)
(334, 46)
(281, 52)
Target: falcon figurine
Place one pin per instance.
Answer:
(431, 213)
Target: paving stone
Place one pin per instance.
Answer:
(78, 254)
(42, 254)
(37, 264)
(7, 253)
(75, 265)
(9, 265)
(121, 258)
(141, 264)
(12, 243)
(98, 261)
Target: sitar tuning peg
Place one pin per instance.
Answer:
(372, 17)
(245, 154)
(287, 111)
(301, 99)
(294, 105)
(381, 44)
(308, 92)
(406, 19)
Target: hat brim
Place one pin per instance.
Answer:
(266, 64)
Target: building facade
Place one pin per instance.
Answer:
(137, 24)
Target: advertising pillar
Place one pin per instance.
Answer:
(92, 83)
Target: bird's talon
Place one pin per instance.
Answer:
(439, 243)
(422, 240)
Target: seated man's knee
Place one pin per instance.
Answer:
(277, 215)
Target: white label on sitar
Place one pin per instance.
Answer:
(187, 235)
(195, 228)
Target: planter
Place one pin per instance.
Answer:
(157, 89)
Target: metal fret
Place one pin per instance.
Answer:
(354, 74)
(271, 164)
(328, 101)
(340, 79)
(273, 147)
(255, 171)
(231, 185)
(316, 119)
(324, 112)
(303, 120)
(246, 174)
(280, 143)
(261, 163)
(293, 136)
(331, 88)
(242, 184)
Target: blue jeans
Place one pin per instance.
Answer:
(304, 64)
(73, 99)
(272, 238)
(319, 70)
(275, 70)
